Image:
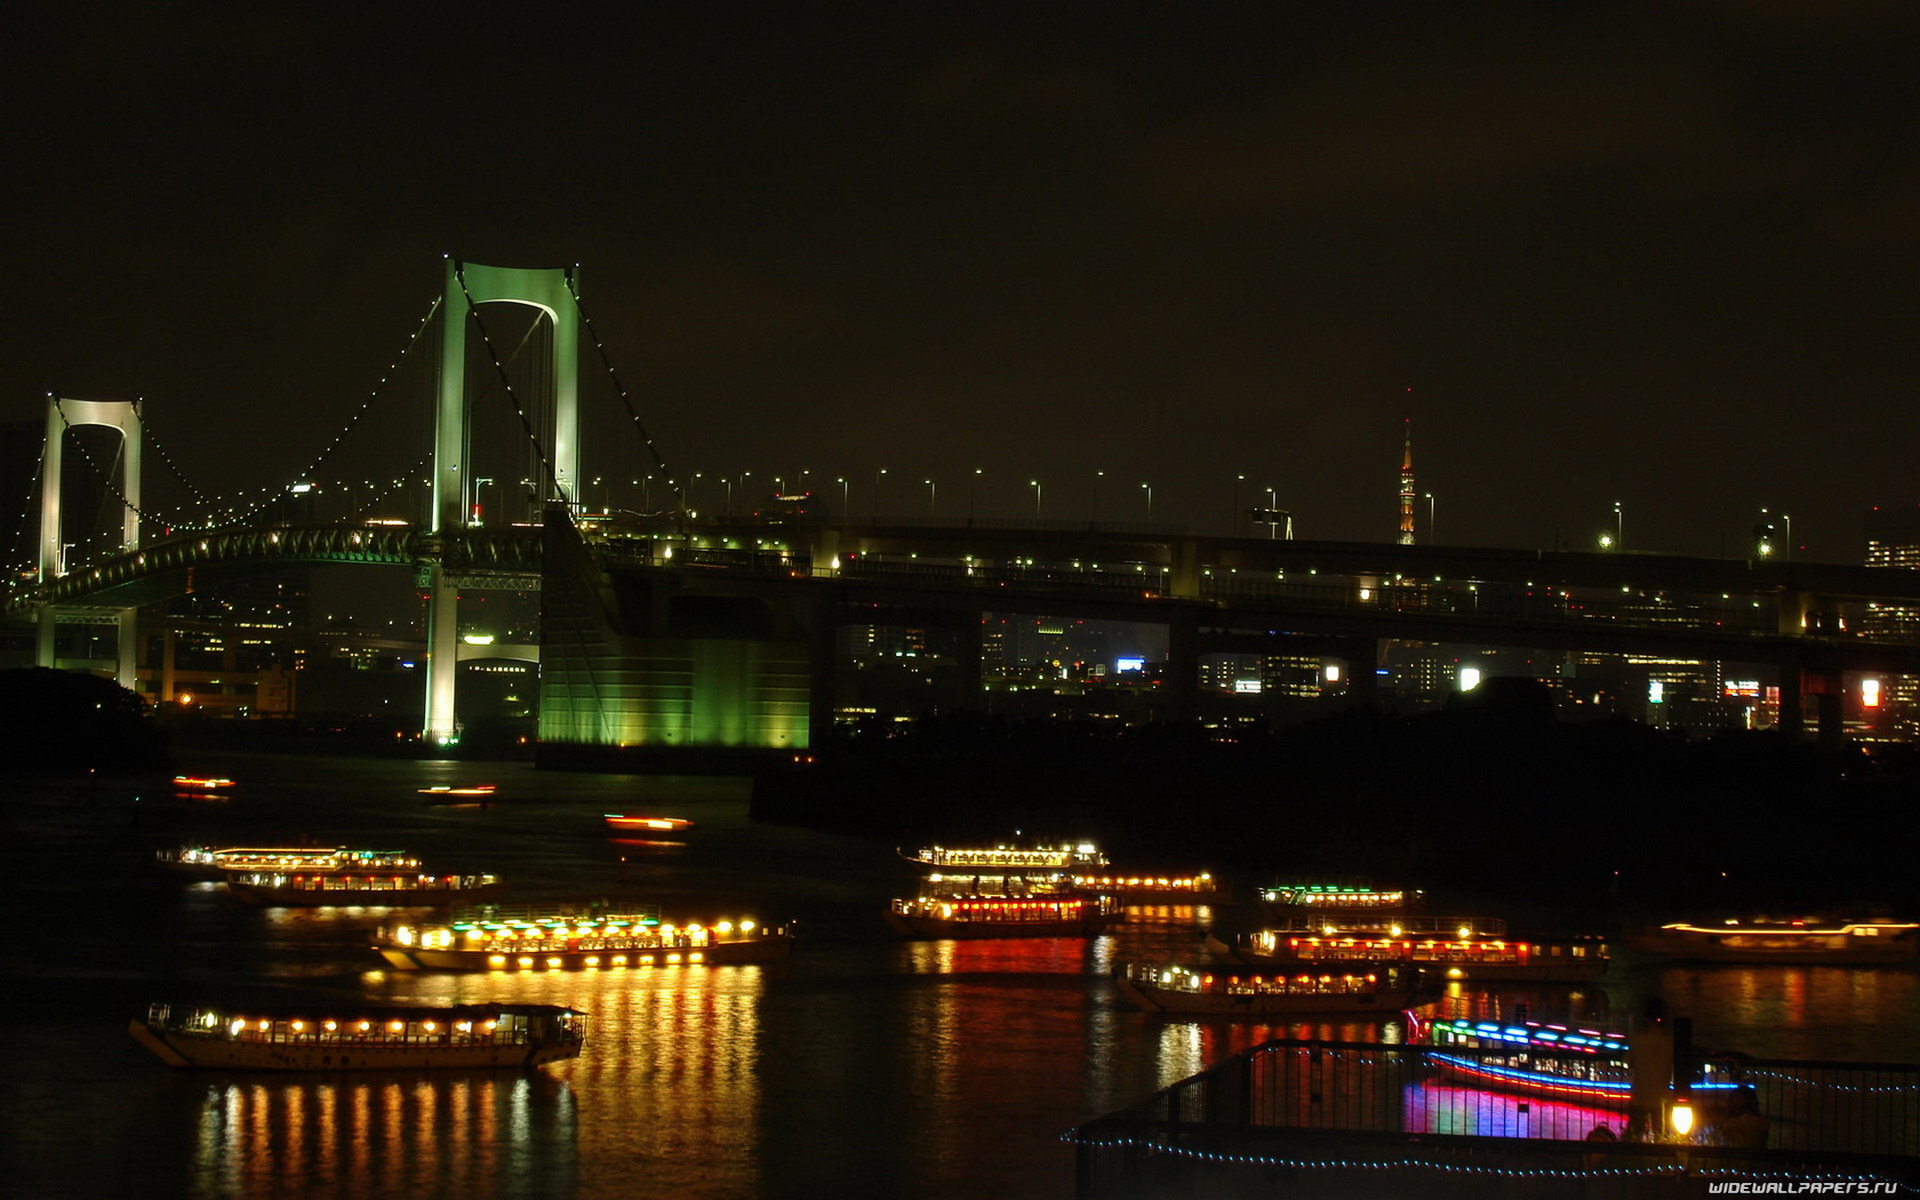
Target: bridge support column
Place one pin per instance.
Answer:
(443, 655)
(1362, 657)
(1183, 574)
(169, 646)
(1790, 718)
(44, 652)
(1182, 681)
(823, 683)
(128, 644)
(968, 639)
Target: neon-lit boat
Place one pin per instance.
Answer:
(491, 939)
(1585, 1066)
(1381, 990)
(205, 862)
(480, 791)
(1809, 941)
(390, 889)
(1002, 916)
(350, 1037)
(623, 823)
(1461, 954)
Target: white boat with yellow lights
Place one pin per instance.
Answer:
(1808, 940)
(210, 862)
(388, 889)
(351, 1037)
(1137, 888)
(526, 940)
(1293, 898)
(1355, 989)
(1004, 892)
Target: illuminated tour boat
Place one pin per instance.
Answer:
(1809, 941)
(1460, 953)
(622, 823)
(490, 939)
(1004, 892)
(357, 1038)
(483, 791)
(1354, 989)
(1581, 1066)
(201, 784)
(1294, 898)
(1200, 888)
(204, 862)
(392, 889)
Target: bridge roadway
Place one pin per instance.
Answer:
(1213, 593)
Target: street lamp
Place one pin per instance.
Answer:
(1097, 477)
(973, 482)
(1148, 488)
(846, 498)
(1233, 528)
(1619, 527)
(1035, 485)
(1273, 508)
(876, 494)
(1430, 508)
(930, 495)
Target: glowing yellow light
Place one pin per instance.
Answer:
(553, 962)
(496, 960)
(619, 960)
(593, 960)
(525, 960)
(396, 1026)
(1682, 1116)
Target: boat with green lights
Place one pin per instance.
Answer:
(494, 939)
(218, 862)
(332, 1036)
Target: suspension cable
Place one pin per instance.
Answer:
(106, 477)
(673, 485)
(146, 429)
(553, 479)
(31, 561)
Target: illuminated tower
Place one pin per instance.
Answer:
(1407, 491)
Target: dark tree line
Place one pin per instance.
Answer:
(71, 721)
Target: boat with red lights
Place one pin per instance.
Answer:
(353, 1037)
(472, 792)
(1356, 989)
(1809, 941)
(200, 785)
(592, 938)
(623, 823)
(207, 862)
(392, 889)
(1580, 1065)
(1459, 953)
(1031, 914)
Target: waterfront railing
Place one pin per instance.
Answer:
(1335, 1111)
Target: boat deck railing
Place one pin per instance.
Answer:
(1364, 1106)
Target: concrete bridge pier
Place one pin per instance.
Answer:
(1362, 656)
(1182, 682)
(443, 654)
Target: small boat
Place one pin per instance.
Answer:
(1585, 1066)
(1200, 888)
(352, 1037)
(1808, 941)
(492, 939)
(623, 823)
(203, 862)
(392, 889)
(200, 784)
(1002, 916)
(473, 790)
(1460, 955)
(1381, 990)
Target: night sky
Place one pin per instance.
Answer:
(1660, 255)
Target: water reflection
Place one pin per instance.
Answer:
(383, 1134)
(671, 1058)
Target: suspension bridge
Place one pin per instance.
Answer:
(656, 665)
